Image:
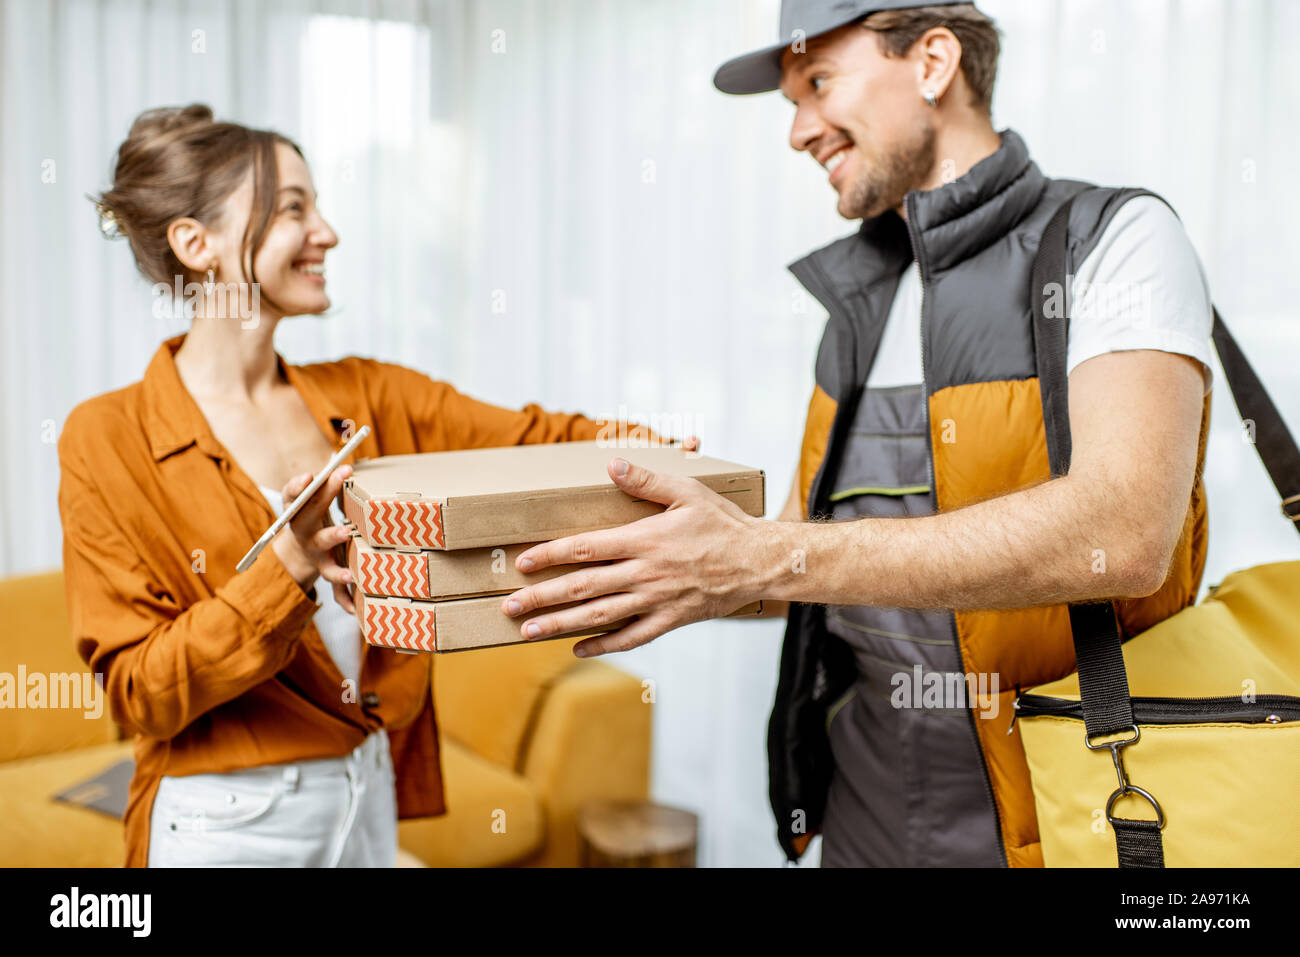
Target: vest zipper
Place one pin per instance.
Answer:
(917, 250)
(925, 372)
(814, 279)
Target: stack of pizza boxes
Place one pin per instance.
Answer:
(435, 536)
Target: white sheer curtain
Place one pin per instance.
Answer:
(546, 201)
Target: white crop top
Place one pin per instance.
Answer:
(338, 629)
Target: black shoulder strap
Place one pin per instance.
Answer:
(1273, 440)
(1049, 293)
(1103, 681)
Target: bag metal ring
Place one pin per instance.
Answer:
(1122, 743)
(1134, 789)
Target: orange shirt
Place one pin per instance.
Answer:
(212, 670)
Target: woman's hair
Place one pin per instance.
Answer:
(178, 162)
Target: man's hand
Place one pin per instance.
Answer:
(682, 565)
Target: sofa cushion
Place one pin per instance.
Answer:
(486, 699)
(37, 831)
(35, 644)
(493, 816)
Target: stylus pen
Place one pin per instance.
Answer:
(287, 515)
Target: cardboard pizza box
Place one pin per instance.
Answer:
(445, 626)
(441, 576)
(528, 493)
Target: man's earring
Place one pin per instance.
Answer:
(930, 97)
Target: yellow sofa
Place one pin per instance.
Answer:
(529, 734)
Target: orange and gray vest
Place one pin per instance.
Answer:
(892, 731)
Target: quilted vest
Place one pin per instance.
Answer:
(935, 785)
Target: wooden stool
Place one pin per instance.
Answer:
(636, 834)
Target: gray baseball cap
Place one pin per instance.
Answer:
(760, 71)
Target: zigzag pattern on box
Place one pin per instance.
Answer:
(399, 574)
(393, 626)
(415, 523)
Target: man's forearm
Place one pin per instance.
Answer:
(1060, 541)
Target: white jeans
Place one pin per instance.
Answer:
(328, 812)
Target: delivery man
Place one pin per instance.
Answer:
(926, 543)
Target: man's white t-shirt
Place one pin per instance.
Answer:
(1141, 287)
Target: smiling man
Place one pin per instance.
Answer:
(928, 542)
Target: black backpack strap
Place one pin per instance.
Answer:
(1103, 680)
(1049, 286)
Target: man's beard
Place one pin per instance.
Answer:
(884, 182)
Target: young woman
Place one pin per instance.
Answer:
(265, 731)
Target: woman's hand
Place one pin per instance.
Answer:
(306, 545)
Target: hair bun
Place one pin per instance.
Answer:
(152, 135)
(169, 119)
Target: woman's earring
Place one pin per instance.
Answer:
(212, 279)
(930, 97)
